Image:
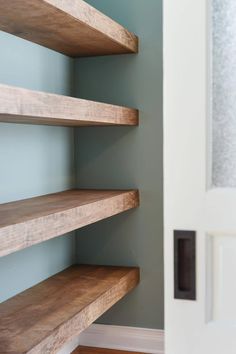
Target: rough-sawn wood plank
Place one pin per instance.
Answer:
(72, 27)
(45, 317)
(19, 105)
(27, 222)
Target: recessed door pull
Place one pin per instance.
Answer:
(185, 265)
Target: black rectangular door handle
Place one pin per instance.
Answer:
(185, 265)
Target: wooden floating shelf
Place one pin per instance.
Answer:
(45, 317)
(31, 221)
(19, 105)
(72, 27)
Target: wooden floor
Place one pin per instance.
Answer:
(88, 350)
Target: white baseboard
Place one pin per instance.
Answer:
(119, 337)
(124, 338)
(68, 348)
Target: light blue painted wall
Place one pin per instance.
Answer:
(34, 160)
(127, 158)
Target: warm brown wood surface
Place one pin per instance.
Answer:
(72, 27)
(90, 350)
(30, 221)
(45, 317)
(19, 105)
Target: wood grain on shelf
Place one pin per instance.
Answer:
(31, 221)
(19, 105)
(45, 317)
(72, 27)
(92, 350)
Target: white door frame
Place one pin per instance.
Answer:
(204, 326)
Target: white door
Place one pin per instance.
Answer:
(200, 176)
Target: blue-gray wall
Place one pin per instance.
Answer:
(34, 160)
(127, 158)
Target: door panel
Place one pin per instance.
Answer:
(200, 170)
(223, 54)
(221, 254)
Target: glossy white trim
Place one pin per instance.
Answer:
(124, 338)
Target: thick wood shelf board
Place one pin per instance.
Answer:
(30, 221)
(45, 317)
(72, 27)
(19, 105)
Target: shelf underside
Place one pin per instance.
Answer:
(45, 317)
(72, 27)
(19, 105)
(31, 221)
